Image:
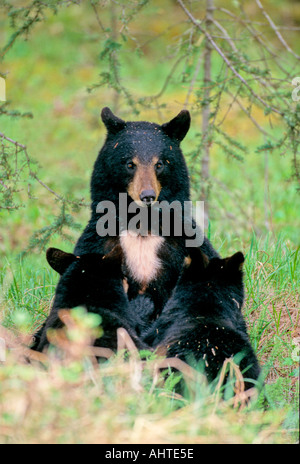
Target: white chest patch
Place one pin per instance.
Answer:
(141, 255)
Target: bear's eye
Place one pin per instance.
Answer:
(130, 166)
(159, 166)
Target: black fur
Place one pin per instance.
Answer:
(203, 320)
(209, 294)
(94, 282)
(144, 140)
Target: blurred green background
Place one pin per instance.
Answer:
(50, 73)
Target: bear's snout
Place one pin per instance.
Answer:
(148, 197)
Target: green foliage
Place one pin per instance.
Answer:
(59, 226)
(146, 58)
(105, 394)
(12, 170)
(253, 84)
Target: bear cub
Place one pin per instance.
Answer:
(95, 282)
(203, 321)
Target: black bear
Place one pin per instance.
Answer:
(95, 282)
(143, 161)
(202, 321)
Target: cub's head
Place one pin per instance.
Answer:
(90, 264)
(198, 268)
(85, 279)
(143, 159)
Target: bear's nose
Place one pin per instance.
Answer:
(148, 197)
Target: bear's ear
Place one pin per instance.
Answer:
(59, 260)
(235, 262)
(195, 264)
(178, 127)
(113, 123)
(115, 257)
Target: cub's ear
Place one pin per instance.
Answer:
(115, 257)
(195, 264)
(178, 127)
(113, 123)
(59, 260)
(235, 262)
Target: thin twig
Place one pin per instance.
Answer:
(258, 23)
(98, 18)
(227, 61)
(17, 144)
(33, 174)
(275, 29)
(258, 36)
(3, 184)
(168, 78)
(191, 87)
(234, 98)
(242, 59)
(252, 119)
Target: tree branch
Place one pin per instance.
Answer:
(224, 57)
(275, 29)
(33, 174)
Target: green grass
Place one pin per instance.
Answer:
(113, 399)
(116, 403)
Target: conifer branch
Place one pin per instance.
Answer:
(275, 29)
(226, 60)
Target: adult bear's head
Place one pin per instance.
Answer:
(142, 159)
